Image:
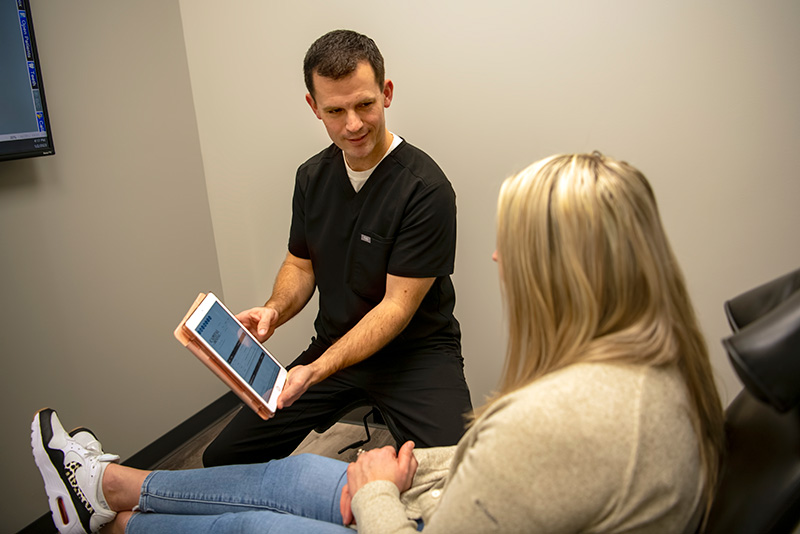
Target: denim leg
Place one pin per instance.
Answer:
(303, 486)
(231, 523)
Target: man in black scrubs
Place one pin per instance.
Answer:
(374, 230)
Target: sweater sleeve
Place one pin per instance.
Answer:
(377, 508)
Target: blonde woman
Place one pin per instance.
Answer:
(606, 419)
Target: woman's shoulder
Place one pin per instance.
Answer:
(590, 386)
(604, 404)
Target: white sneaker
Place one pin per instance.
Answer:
(72, 465)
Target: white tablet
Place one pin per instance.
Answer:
(235, 349)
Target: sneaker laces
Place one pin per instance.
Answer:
(96, 448)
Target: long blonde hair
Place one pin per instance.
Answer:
(588, 275)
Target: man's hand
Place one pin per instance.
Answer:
(380, 464)
(298, 380)
(260, 321)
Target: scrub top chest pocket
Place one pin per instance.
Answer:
(369, 259)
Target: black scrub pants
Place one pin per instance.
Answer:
(422, 395)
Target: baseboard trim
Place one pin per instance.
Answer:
(152, 454)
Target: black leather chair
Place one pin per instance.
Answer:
(759, 490)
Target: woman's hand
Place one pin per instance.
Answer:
(378, 464)
(345, 508)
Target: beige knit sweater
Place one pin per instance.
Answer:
(590, 448)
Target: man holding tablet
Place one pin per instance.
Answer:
(374, 229)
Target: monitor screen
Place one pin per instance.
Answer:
(24, 124)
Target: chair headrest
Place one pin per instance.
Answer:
(750, 305)
(766, 354)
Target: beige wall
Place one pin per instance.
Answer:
(701, 97)
(98, 242)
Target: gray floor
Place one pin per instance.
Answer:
(328, 444)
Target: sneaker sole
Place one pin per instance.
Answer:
(64, 512)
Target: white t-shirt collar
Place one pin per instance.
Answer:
(359, 178)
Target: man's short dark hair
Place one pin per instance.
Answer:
(337, 54)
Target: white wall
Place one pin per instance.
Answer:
(702, 97)
(99, 242)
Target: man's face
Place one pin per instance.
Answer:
(352, 110)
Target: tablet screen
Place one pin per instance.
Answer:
(220, 331)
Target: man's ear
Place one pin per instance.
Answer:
(388, 93)
(313, 105)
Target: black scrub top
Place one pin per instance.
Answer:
(402, 222)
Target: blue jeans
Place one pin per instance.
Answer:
(296, 494)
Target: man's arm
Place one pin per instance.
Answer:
(293, 288)
(377, 328)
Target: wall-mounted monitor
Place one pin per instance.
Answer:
(24, 124)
